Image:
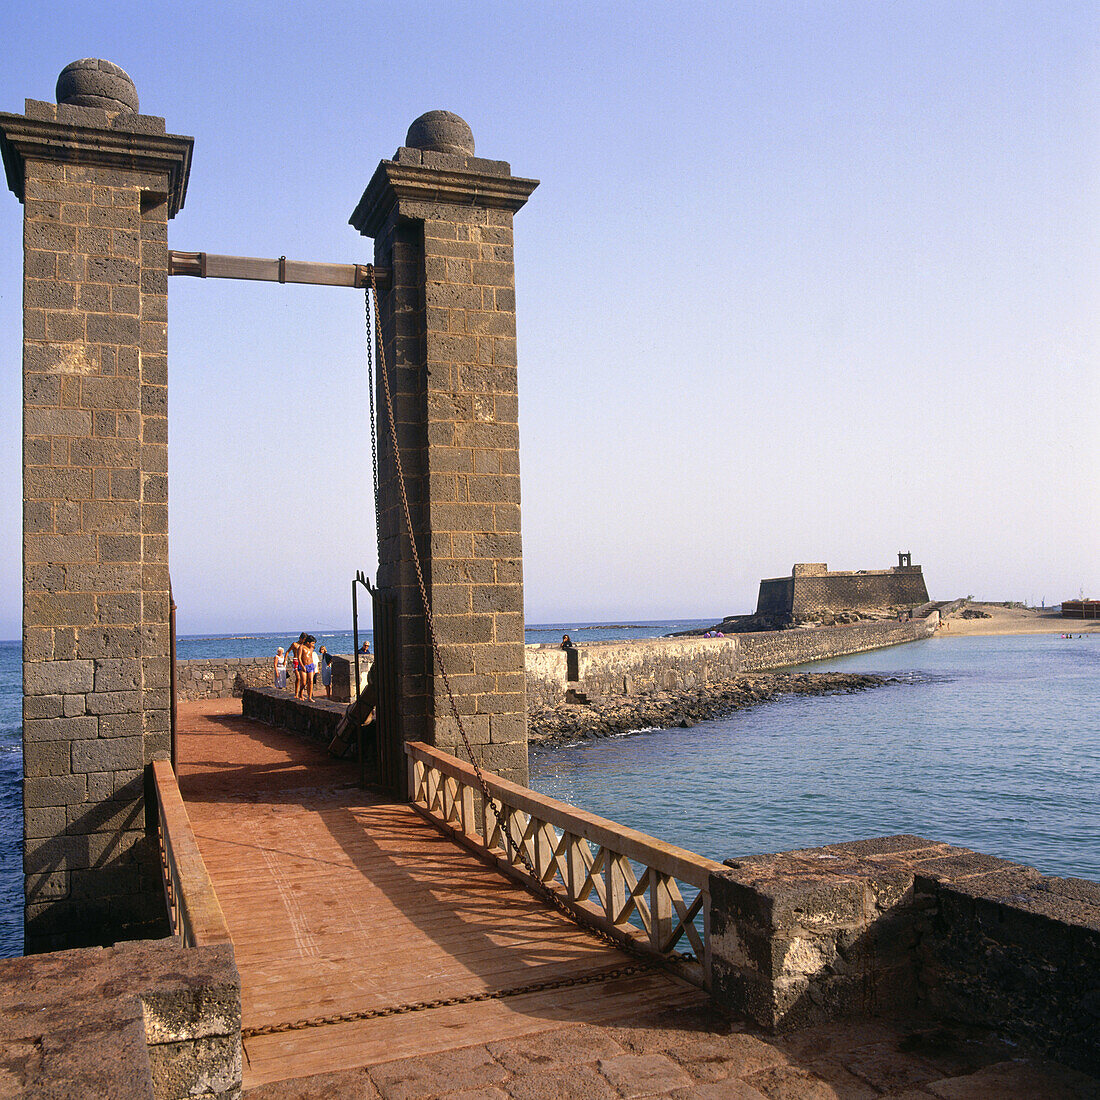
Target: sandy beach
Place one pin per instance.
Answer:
(1014, 620)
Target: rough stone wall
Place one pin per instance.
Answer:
(811, 588)
(781, 648)
(95, 460)
(221, 678)
(776, 597)
(149, 1019)
(880, 926)
(442, 223)
(899, 587)
(613, 668)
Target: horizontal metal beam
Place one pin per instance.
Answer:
(207, 265)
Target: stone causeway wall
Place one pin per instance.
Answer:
(875, 926)
(610, 668)
(668, 664)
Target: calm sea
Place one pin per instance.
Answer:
(992, 743)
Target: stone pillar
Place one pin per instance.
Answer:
(441, 220)
(98, 182)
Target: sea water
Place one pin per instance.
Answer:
(992, 743)
(988, 742)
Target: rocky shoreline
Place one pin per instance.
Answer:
(609, 715)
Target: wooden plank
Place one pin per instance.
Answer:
(339, 899)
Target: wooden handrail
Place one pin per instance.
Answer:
(589, 862)
(194, 910)
(678, 862)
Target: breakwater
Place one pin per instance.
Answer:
(638, 667)
(606, 716)
(684, 664)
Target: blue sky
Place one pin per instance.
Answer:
(802, 282)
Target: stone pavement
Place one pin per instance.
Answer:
(699, 1053)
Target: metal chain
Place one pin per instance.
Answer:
(441, 1002)
(541, 889)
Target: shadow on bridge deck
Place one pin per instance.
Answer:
(341, 900)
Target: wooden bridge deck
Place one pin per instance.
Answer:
(340, 900)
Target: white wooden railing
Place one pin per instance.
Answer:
(194, 911)
(629, 884)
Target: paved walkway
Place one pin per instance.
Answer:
(339, 900)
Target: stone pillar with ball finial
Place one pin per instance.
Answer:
(441, 219)
(98, 182)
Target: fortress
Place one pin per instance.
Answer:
(811, 588)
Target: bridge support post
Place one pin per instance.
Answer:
(441, 220)
(98, 182)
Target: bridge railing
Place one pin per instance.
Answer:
(641, 890)
(194, 911)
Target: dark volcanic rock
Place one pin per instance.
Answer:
(614, 714)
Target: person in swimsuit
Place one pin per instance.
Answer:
(309, 665)
(296, 652)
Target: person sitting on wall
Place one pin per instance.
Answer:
(567, 642)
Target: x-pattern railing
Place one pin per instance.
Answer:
(624, 881)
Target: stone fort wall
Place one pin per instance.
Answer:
(811, 588)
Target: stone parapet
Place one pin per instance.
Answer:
(668, 664)
(142, 1019)
(882, 926)
(314, 720)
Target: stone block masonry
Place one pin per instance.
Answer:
(883, 926)
(98, 184)
(668, 664)
(441, 219)
(221, 678)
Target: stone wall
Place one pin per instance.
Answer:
(658, 664)
(315, 721)
(781, 648)
(146, 1019)
(880, 926)
(221, 678)
(812, 588)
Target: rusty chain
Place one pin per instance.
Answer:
(442, 1002)
(541, 888)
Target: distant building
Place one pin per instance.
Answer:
(1081, 609)
(811, 589)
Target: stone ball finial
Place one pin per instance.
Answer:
(91, 82)
(441, 132)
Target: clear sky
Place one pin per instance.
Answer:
(802, 282)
